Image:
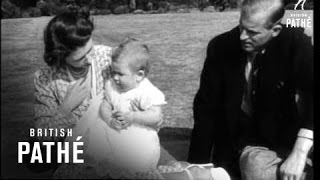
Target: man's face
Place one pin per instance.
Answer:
(254, 34)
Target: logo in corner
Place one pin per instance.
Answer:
(296, 18)
(300, 2)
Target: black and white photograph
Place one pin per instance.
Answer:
(157, 89)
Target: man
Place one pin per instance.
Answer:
(255, 101)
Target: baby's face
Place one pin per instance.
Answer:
(122, 75)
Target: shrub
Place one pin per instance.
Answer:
(149, 6)
(183, 10)
(203, 4)
(179, 8)
(23, 4)
(25, 14)
(123, 9)
(132, 5)
(209, 9)
(101, 4)
(173, 8)
(61, 9)
(9, 10)
(31, 12)
(48, 7)
(164, 5)
(139, 11)
(234, 3)
(221, 5)
(104, 12)
(35, 12)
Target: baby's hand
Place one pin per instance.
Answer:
(115, 124)
(126, 119)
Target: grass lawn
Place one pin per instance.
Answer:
(177, 42)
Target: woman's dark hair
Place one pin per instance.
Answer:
(65, 33)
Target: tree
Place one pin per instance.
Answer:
(132, 5)
(101, 4)
(9, 10)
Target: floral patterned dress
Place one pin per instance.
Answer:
(51, 85)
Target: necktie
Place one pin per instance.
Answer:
(250, 73)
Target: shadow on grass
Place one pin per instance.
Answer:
(176, 141)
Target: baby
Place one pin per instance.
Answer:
(121, 140)
(136, 109)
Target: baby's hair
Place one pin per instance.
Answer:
(135, 52)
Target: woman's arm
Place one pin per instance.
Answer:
(48, 113)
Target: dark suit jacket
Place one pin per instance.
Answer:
(286, 68)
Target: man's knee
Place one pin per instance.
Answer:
(248, 159)
(252, 157)
(258, 162)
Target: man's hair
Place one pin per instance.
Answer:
(136, 53)
(273, 8)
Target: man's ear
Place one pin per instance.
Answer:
(140, 75)
(276, 29)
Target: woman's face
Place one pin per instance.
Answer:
(78, 58)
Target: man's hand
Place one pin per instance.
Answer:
(293, 166)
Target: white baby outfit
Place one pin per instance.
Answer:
(136, 148)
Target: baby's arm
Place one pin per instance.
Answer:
(151, 117)
(106, 111)
(106, 115)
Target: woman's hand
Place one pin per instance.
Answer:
(75, 95)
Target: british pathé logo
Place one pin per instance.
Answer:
(299, 18)
(298, 3)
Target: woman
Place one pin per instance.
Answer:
(74, 74)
